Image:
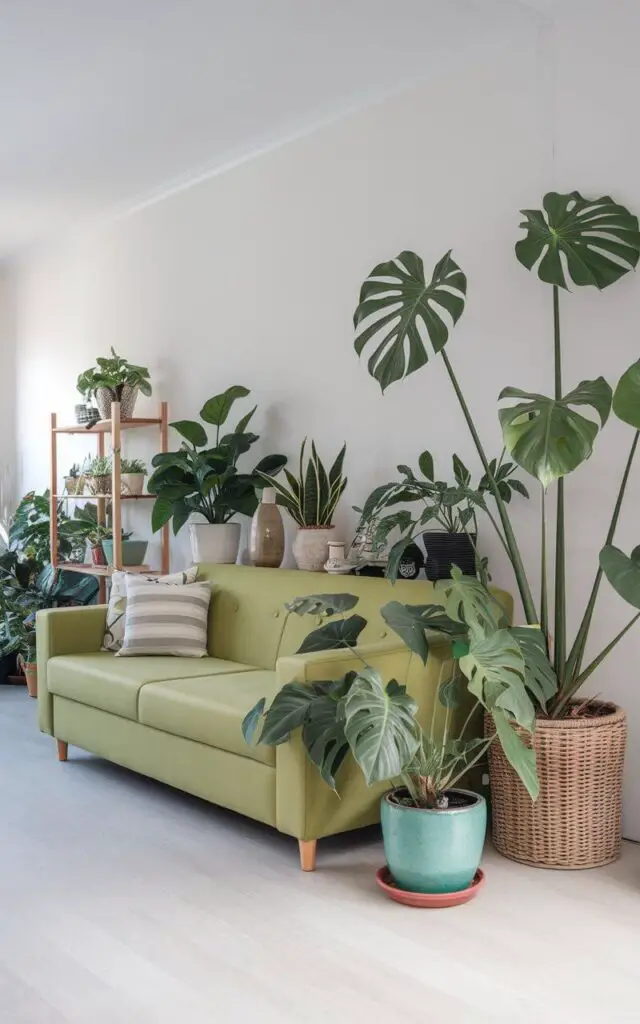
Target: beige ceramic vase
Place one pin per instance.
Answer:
(311, 547)
(266, 540)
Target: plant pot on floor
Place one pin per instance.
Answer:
(215, 542)
(576, 822)
(446, 549)
(31, 676)
(311, 547)
(126, 395)
(434, 851)
(133, 551)
(132, 483)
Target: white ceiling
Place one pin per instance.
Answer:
(104, 102)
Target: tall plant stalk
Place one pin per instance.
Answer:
(544, 599)
(560, 594)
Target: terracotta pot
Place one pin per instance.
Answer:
(31, 675)
(576, 822)
(266, 539)
(311, 547)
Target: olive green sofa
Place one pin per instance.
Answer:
(178, 720)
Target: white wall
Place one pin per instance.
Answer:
(8, 474)
(252, 277)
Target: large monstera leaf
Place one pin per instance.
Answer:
(495, 668)
(546, 436)
(626, 397)
(398, 309)
(596, 239)
(380, 726)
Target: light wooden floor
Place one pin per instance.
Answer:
(124, 902)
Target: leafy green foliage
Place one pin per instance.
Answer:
(380, 726)
(114, 374)
(521, 757)
(598, 239)
(622, 572)
(312, 496)
(322, 604)
(206, 480)
(397, 308)
(333, 635)
(411, 623)
(626, 397)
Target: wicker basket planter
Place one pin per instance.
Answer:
(577, 819)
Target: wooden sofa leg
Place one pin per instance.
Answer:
(308, 854)
(63, 750)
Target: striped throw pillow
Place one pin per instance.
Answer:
(165, 620)
(114, 629)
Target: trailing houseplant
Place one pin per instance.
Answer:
(588, 242)
(311, 499)
(204, 480)
(114, 380)
(499, 668)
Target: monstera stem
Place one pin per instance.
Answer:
(512, 544)
(560, 597)
(544, 602)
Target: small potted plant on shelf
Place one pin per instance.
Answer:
(132, 474)
(114, 380)
(311, 499)
(203, 480)
(433, 831)
(74, 480)
(133, 551)
(98, 476)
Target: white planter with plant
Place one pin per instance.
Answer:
(114, 380)
(311, 500)
(132, 474)
(203, 480)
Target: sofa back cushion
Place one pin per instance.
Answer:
(247, 613)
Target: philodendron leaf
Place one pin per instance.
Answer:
(626, 397)
(336, 634)
(467, 600)
(322, 604)
(216, 409)
(323, 735)
(495, 670)
(380, 726)
(410, 621)
(425, 462)
(288, 711)
(623, 572)
(598, 239)
(539, 676)
(398, 308)
(521, 757)
(193, 431)
(547, 437)
(252, 720)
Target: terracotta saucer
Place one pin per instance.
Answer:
(427, 899)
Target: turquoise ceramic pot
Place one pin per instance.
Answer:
(434, 851)
(133, 551)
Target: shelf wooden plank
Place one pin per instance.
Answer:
(104, 426)
(107, 497)
(106, 570)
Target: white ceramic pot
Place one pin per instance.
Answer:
(131, 483)
(311, 547)
(211, 542)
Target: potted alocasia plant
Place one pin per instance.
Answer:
(203, 480)
(114, 379)
(580, 743)
(433, 831)
(311, 499)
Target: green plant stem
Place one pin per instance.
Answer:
(576, 654)
(598, 661)
(280, 638)
(560, 596)
(474, 760)
(544, 608)
(414, 793)
(510, 538)
(472, 712)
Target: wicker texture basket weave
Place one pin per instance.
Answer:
(576, 822)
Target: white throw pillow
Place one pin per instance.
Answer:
(114, 630)
(166, 620)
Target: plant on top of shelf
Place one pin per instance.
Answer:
(311, 499)
(200, 479)
(114, 380)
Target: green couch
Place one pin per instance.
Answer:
(178, 719)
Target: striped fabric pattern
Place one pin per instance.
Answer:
(166, 620)
(114, 629)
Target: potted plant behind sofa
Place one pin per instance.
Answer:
(453, 507)
(132, 474)
(577, 821)
(204, 481)
(311, 500)
(114, 380)
(433, 832)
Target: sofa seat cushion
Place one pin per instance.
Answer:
(113, 684)
(209, 709)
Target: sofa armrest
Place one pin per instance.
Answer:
(305, 806)
(64, 631)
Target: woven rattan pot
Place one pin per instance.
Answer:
(576, 820)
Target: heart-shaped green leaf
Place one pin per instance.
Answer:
(216, 409)
(380, 726)
(626, 397)
(398, 308)
(340, 633)
(193, 431)
(623, 572)
(598, 238)
(547, 437)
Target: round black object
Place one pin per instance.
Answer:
(446, 549)
(411, 563)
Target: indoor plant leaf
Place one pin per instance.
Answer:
(252, 720)
(626, 397)
(451, 692)
(466, 600)
(215, 410)
(323, 736)
(521, 757)
(495, 669)
(287, 712)
(403, 308)
(598, 239)
(322, 604)
(380, 726)
(336, 634)
(623, 572)
(546, 436)
(539, 676)
(410, 621)
(193, 431)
